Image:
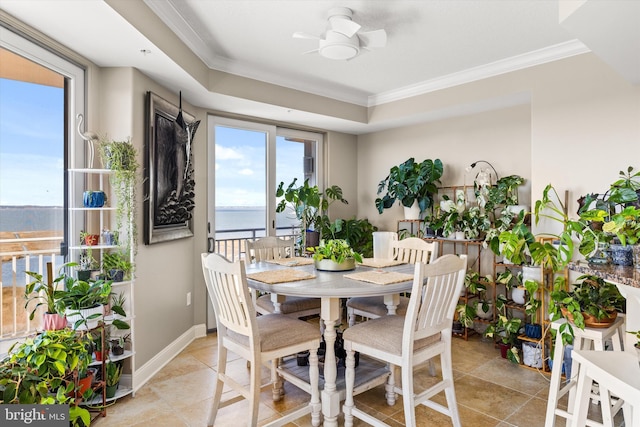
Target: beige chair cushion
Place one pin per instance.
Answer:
(291, 304)
(279, 331)
(375, 305)
(384, 333)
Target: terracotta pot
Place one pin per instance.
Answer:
(91, 239)
(53, 322)
(590, 321)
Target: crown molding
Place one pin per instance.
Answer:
(514, 63)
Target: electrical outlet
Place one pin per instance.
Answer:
(188, 298)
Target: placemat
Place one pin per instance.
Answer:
(296, 260)
(280, 276)
(380, 277)
(380, 262)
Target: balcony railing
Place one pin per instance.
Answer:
(26, 251)
(231, 243)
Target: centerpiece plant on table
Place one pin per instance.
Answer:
(335, 254)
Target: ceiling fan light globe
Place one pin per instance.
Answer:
(339, 51)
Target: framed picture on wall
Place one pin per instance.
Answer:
(169, 181)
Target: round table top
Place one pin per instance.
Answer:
(331, 284)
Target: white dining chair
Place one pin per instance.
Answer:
(259, 340)
(407, 341)
(273, 248)
(410, 251)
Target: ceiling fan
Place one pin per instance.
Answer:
(342, 39)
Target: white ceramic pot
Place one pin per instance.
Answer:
(459, 235)
(484, 314)
(413, 212)
(516, 209)
(74, 315)
(517, 294)
(531, 273)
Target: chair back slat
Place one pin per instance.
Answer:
(414, 249)
(227, 287)
(435, 292)
(269, 248)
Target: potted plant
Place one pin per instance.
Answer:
(507, 329)
(87, 263)
(591, 301)
(410, 183)
(39, 370)
(122, 158)
(626, 226)
(87, 239)
(113, 372)
(117, 266)
(84, 301)
(118, 344)
(450, 220)
(465, 314)
(309, 205)
(47, 293)
(93, 198)
(335, 255)
(532, 305)
(477, 285)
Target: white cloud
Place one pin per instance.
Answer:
(224, 153)
(245, 172)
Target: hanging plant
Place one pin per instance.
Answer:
(122, 158)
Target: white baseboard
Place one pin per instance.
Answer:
(160, 360)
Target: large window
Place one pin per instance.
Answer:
(247, 162)
(40, 94)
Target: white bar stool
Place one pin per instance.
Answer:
(617, 374)
(587, 339)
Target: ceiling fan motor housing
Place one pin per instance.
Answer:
(338, 46)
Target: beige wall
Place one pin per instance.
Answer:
(167, 271)
(340, 157)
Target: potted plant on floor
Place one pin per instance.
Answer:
(47, 294)
(358, 232)
(335, 255)
(410, 183)
(532, 329)
(591, 301)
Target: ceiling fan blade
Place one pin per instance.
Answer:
(376, 38)
(311, 51)
(303, 35)
(344, 26)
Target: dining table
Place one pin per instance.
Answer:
(299, 277)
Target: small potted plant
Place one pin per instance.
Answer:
(335, 255)
(532, 305)
(118, 344)
(85, 301)
(117, 266)
(410, 183)
(477, 285)
(113, 372)
(88, 239)
(626, 226)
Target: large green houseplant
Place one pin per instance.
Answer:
(410, 182)
(309, 204)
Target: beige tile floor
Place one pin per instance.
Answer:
(490, 391)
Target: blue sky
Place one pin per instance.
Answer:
(31, 152)
(240, 166)
(31, 144)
